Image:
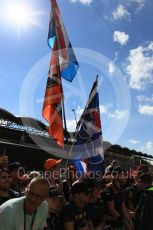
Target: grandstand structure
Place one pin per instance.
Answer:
(26, 140)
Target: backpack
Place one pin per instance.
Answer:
(144, 211)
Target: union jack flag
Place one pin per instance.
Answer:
(89, 143)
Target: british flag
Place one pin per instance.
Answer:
(89, 144)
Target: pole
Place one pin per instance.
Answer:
(73, 110)
(64, 119)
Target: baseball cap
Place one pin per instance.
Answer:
(51, 163)
(93, 183)
(79, 187)
(15, 165)
(53, 192)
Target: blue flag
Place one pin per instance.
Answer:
(57, 36)
(89, 144)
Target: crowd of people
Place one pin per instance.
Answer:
(59, 199)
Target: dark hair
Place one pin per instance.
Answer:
(146, 178)
(114, 162)
(79, 187)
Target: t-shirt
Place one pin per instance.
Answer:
(12, 215)
(53, 222)
(79, 216)
(98, 211)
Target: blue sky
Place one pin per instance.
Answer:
(111, 38)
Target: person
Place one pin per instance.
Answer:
(76, 214)
(66, 184)
(52, 168)
(34, 174)
(4, 162)
(25, 180)
(144, 210)
(55, 203)
(113, 195)
(16, 172)
(112, 166)
(28, 212)
(5, 183)
(132, 192)
(99, 216)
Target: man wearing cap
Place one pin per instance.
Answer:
(76, 214)
(5, 183)
(99, 215)
(52, 167)
(55, 203)
(29, 212)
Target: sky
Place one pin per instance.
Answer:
(112, 39)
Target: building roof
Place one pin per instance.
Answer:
(22, 120)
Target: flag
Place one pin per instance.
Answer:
(52, 107)
(57, 34)
(80, 166)
(89, 144)
(63, 63)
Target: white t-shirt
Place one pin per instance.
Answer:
(12, 215)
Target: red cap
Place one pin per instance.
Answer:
(50, 163)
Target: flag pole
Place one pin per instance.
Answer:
(73, 110)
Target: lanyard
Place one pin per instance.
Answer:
(33, 217)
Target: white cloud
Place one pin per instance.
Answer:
(118, 114)
(120, 12)
(140, 3)
(103, 109)
(120, 37)
(134, 142)
(139, 66)
(145, 109)
(82, 1)
(144, 98)
(79, 111)
(111, 68)
(71, 125)
(127, 9)
(147, 147)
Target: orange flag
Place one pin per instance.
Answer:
(52, 107)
